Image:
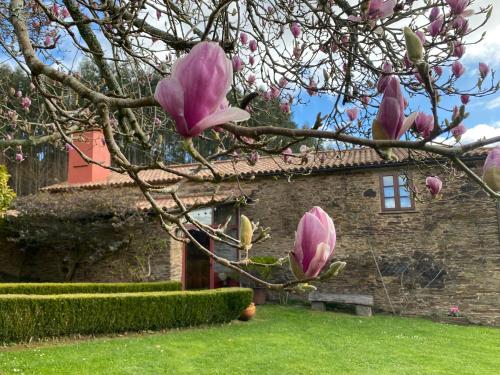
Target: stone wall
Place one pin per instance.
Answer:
(446, 252)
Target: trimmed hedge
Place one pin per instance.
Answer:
(23, 317)
(66, 288)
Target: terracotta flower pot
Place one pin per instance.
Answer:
(248, 313)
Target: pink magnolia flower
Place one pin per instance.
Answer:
(47, 41)
(253, 158)
(424, 124)
(390, 122)
(19, 93)
(458, 69)
(484, 70)
(26, 103)
(352, 113)
(457, 6)
(251, 79)
(195, 92)
(420, 34)
(322, 157)
(312, 89)
(491, 169)
(282, 82)
(436, 26)
(253, 45)
(158, 14)
(19, 156)
(55, 9)
(438, 70)
(251, 60)
(295, 29)
(365, 100)
(382, 81)
(460, 24)
(65, 13)
(287, 155)
(458, 49)
(237, 63)
(243, 38)
(465, 99)
(434, 14)
(157, 121)
(381, 9)
(434, 184)
(314, 244)
(285, 107)
(458, 131)
(274, 92)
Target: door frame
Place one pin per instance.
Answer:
(211, 247)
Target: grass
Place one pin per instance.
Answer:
(280, 340)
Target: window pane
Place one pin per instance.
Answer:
(405, 202)
(389, 192)
(203, 215)
(390, 203)
(402, 180)
(388, 180)
(222, 213)
(404, 191)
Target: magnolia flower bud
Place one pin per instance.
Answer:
(253, 45)
(458, 131)
(434, 184)
(246, 232)
(352, 113)
(314, 244)
(413, 46)
(457, 69)
(237, 63)
(484, 69)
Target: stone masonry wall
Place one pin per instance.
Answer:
(446, 252)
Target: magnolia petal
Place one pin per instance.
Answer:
(319, 260)
(220, 117)
(170, 94)
(407, 123)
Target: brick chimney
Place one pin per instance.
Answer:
(92, 144)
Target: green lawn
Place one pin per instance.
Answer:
(280, 340)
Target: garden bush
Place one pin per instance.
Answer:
(23, 317)
(65, 288)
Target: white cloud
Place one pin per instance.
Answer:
(488, 50)
(477, 132)
(494, 103)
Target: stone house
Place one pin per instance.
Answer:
(416, 255)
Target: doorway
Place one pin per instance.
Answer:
(197, 265)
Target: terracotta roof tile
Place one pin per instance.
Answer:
(266, 165)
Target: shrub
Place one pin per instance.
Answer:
(23, 317)
(6, 193)
(66, 288)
